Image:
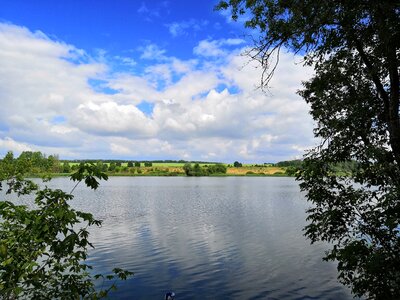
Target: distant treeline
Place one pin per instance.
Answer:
(340, 168)
(35, 162)
(289, 163)
(168, 161)
(30, 162)
(206, 170)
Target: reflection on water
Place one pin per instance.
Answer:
(207, 238)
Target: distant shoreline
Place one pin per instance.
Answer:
(179, 171)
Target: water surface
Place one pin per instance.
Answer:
(207, 238)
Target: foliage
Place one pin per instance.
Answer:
(43, 249)
(354, 47)
(66, 167)
(112, 167)
(197, 170)
(291, 171)
(39, 163)
(148, 164)
(290, 163)
(137, 164)
(237, 164)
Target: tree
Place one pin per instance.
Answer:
(137, 164)
(148, 164)
(193, 170)
(354, 47)
(197, 170)
(112, 167)
(237, 164)
(43, 249)
(187, 167)
(130, 164)
(216, 169)
(67, 167)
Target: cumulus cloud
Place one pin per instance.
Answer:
(202, 110)
(10, 145)
(215, 48)
(110, 118)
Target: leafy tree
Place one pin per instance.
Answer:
(148, 164)
(354, 47)
(237, 164)
(43, 250)
(137, 164)
(130, 164)
(195, 170)
(112, 167)
(290, 163)
(53, 164)
(66, 167)
(291, 171)
(216, 169)
(187, 167)
(104, 168)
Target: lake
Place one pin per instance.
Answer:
(206, 238)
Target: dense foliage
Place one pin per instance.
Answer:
(354, 47)
(237, 164)
(197, 170)
(43, 247)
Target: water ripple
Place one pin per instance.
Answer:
(208, 238)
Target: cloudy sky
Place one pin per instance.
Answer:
(143, 80)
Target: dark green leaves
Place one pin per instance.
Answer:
(43, 250)
(89, 173)
(354, 97)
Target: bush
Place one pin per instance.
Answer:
(43, 250)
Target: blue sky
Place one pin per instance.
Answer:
(142, 80)
(123, 27)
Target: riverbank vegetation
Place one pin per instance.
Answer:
(37, 164)
(43, 246)
(354, 99)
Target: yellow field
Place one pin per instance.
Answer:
(178, 169)
(256, 170)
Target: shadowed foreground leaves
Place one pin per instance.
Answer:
(43, 249)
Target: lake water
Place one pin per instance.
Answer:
(207, 238)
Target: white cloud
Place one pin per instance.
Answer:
(183, 27)
(10, 145)
(204, 110)
(110, 118)
(215, 48)
(208, 48)
(152, 52)
(128, 61)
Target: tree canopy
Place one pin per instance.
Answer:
(43, 248)
(354, 47)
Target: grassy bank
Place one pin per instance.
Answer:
(176, 169)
